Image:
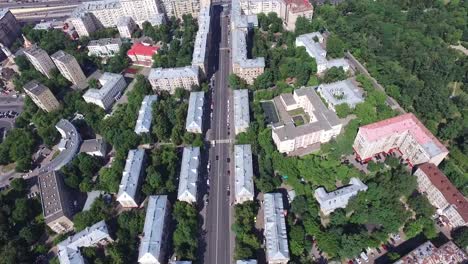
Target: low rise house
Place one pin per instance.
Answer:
(93, 236)
(41, 96)
(131, 178)
(275, 232)
(330, 201)
(405, 134)
(94, 147)
(142, 54)
(126, 26)
(442, 194)
(172, 78)
(341, 92)
(194, 121)
(189, 175)
(244, 185)
(305, 122)
(427, 253)
(106, 47)
(56, 205)
(314, 44)
(154, 241)
(241, 111)
(145, 115)
(112, 86)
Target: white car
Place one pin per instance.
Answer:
(208, 166)
(208, 182)
(364, 257)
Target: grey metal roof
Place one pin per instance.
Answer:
(247, 261)
(340, 92)
(150, 246)
(69, 249)
(35, 87)
(52, 196)
(131, 173)
(189, 174)
(92, 145)
(145, 115)
(108, 81)
(241, 108)
(239, 20)
(90, 198)
(340, 197)
(70, 140)
(239, 51)
(314, 49)
(244, 186)
(62, 56)
(275, 228)
(200, 46)
(195, 111)
(105, 42)
(325, 118)
(171, 73)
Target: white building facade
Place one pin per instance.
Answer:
(126, 26)
(172, 78)
(106, 47)
(330, 201)
(145, 115)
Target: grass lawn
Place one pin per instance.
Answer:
(299, 112)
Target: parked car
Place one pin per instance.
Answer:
(364, 257)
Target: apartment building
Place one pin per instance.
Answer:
(427, 253)
(287, 10)
(41, 96)
(106, 47)
(142, 54)
(172, 78)
(145, 115)
(154, 241)
(314, 44)
(83, 23)
(246, 68)
(194, 121)
(442, 194)
(188, 178)
(68, 67)
(199, 56)
(126, 26)
(241, 111)
(404, 134)
(89, 16)
(330, 201)
(56, 206)
(127, 195)
(93, 236)
(178, 8)
(301, 133)
(112, 86)
(68, 146)
(275, 232)
(40, 60)
(10, 29)
(341, 92)
(243, 177)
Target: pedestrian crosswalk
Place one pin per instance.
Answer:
(222, 141)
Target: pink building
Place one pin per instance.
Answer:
(405, 134)
(142, 54)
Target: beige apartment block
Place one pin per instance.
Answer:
(41, 96)
(68, 67)
(40, 60)
(172, 78)
(178, 8)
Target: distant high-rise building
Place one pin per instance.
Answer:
(178, 8)
(41, 96)
(68, 67)
(40, 60)
(126, 26)
(10, 29)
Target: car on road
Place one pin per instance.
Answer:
(208, 166)
(217, 157)
(384, 247)
(228, 160)
(208, 182)
(228, 189)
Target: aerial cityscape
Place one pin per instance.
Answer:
(233, 131)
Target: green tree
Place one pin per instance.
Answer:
(335, 46)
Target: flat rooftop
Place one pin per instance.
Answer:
(62, 56)
(195, 110)
(346, 91)
(52, 196)
(105, 42)
(172, 73)
(132, 172)
(241, 108)
(35, 87)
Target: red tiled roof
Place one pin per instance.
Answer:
(399, 124)
(299, 5)
(448, 190)
(141, 49)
